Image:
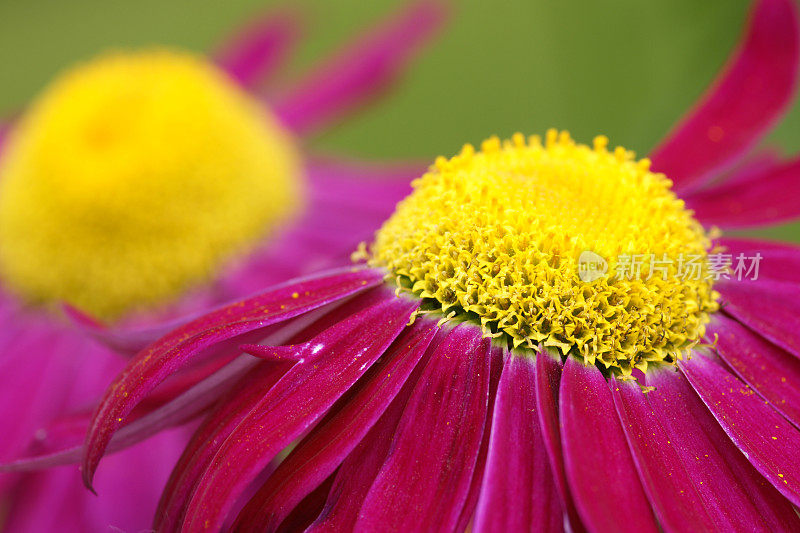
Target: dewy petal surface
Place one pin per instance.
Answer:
(519, 492)
(334, 361)
(323, 450)
(425, 481)
(361, 467)
(743, 104)
(173, 351)
(769, 441)
(598, 463)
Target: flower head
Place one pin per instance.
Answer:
(116, 182)
(141, 184)
(424, 390)
(498, 235)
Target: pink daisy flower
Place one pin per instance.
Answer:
(141, 184)
(544, 335)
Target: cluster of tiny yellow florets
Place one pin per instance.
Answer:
(497, 234)
(136, 176)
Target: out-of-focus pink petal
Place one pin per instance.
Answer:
(321, 452)
(766, 199)
(742, 105)
(151, 366)
(597, 461)
(425, 481)
(769, 307)
(332, 363)
(348, 202)
(518, 492)
(55, 500)
(695, 477)
(254, 52)
(362, 70)
(769, 441)
(772, 372)
(183, 408)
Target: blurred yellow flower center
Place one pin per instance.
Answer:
(135, 177)
(555, 243)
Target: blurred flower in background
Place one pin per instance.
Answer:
(144, 183)
(466, 374)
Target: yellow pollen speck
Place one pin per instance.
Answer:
(498, 236)
(135, 177)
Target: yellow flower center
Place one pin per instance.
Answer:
(558, 244)
(135, 177)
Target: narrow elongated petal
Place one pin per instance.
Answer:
(151, 366)
(769, 307)
(548, 381)
(333, 362)
(597, 461)
(695, 477)
(183, 408)
(256, 51)
(767, 439)
(425, 481)
(471, 503)
(518, 491)
(766, 199)
(772, 372)
(359, 470)
(321, 452)
(365, 68)
(743, 104)
(207, 439)
(779, 261)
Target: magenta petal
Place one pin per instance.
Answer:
(742, 105)
(125, 342)
(151, 366)
(598, 463)
(473, 495)
(334, 361)
(767, 439)
(359, 470)
(548, 380)
(365, 68)
(780, 261)
(772, 372)
(321, 452)
(769, 307)
(426, 479)
(207, 439)
(766, 199)
(518, 492)
(691, 471)
(179, 410)
(258, 50)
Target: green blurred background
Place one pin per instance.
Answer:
(626, 68)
